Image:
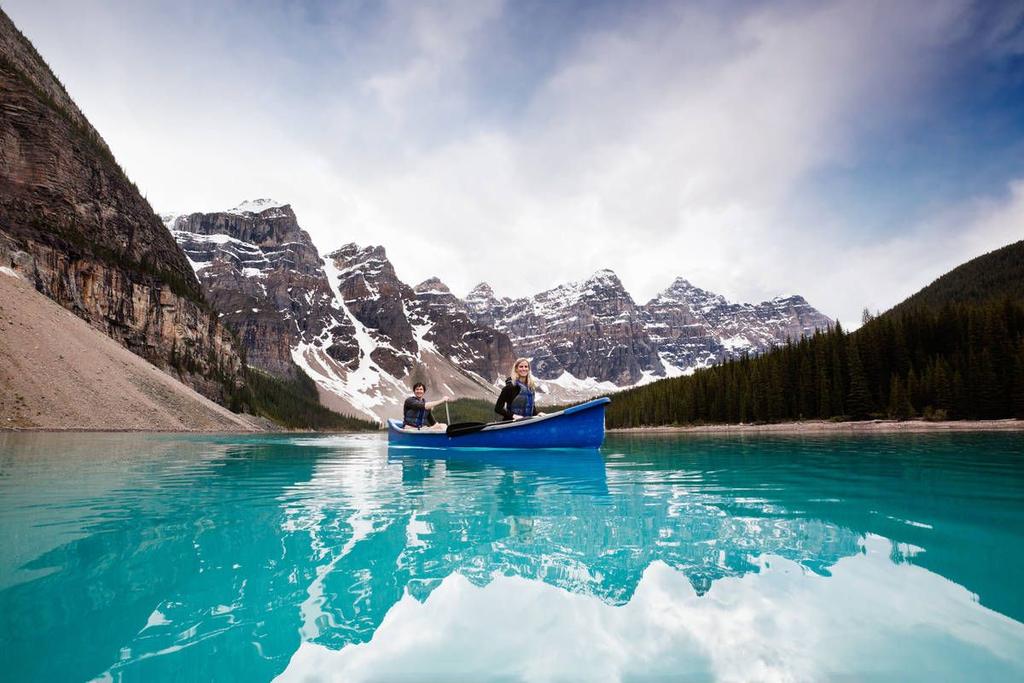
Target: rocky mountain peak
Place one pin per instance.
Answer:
(683, 292)
(605, 276)
(435, 295)
(483, 306)
(578, 334)
(274, 226)
(432, 286)
(693, 327)
(371, 260)
(261, 271)
(601, 293)
(481, 291)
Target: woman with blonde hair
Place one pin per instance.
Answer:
(516, 400)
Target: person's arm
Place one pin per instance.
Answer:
(433, 404)
(504, 398)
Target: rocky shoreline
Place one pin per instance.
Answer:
(827, 427)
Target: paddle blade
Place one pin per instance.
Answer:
(464, 428)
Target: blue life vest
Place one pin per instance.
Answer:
(522, 404)
(415, 412)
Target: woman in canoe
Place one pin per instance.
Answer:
(416, 411)
(516, 400)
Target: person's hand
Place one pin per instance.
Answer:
(539, 414)
(517, 417)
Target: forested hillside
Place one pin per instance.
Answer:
(955, 350)
(995, 275)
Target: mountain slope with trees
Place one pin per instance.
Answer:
(955, 350)
(996, 275)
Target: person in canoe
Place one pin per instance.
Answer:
(416, 411)
(516, 400)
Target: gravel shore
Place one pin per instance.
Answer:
(827, 427)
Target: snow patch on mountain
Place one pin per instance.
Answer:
(737, 342)
(169, 219)
(256, 206)
(589, 386)
(367, 388)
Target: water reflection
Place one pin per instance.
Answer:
(960, 497)
(867, 621)
(578, 471)
(245, 557)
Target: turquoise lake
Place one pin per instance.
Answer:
(680, 558)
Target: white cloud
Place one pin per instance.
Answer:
(675, 142)
(880, 275)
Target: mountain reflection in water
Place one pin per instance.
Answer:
(249, 557)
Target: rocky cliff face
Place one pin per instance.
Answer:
(263, 275)
(76, 227)
(375, 296)
(476, 347)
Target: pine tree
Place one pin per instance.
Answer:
(987, 388)
(899, 404)
(858, 402)
(913, 389)
(806, 394)
(824, 386)
(837, 380)
(1018, 382)
(943, 386)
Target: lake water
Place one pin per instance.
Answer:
(295, 558)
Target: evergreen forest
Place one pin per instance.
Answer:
(293, 403)
(955, 350)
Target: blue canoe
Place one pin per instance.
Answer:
(580, 426)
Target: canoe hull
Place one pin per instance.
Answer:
(580, 426)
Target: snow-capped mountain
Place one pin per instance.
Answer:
(346, 321)
(582, 333)
(693, 327)
(590, 335)
(364, 336)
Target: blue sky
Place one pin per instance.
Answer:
(846, 150)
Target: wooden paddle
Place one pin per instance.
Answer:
(463, 428)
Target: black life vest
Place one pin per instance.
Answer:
(415, 412)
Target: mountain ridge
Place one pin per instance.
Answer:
(370, 335)
(343, 319)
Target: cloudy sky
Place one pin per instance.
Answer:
(849, 150)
